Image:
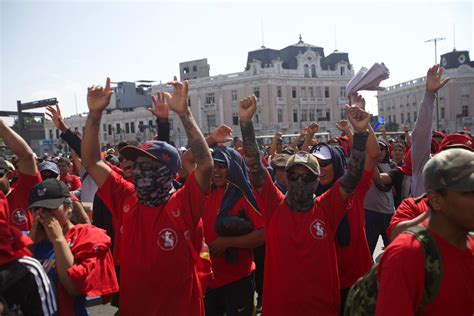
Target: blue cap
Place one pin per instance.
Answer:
(50, 166)
(157, 150)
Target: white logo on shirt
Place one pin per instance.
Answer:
(167, 239)
(318, 229)
(19, 217)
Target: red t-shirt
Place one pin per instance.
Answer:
(225, 273)
(4, 212)
(401, 276)
(73, 182)
(93, 272)
(355, 260)
(157, 275)
(406, 211)
(18, 201)
(301, 275)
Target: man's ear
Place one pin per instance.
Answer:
(434, 201)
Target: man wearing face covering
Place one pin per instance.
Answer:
(352, 252)
(301, 269)
(158, 275)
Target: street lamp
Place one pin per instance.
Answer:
(435, 41)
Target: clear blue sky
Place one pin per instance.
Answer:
(58, 48)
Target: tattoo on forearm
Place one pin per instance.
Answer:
(356, 164)
(252, 155)
(196, 140)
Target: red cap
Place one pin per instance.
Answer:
(456, 140)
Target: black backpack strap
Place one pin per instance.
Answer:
(433, 265)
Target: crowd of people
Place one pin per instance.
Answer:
(230, 227)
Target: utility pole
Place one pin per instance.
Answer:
(435, 41)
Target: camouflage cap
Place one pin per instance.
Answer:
(451, 169)
(305, 159)
(280, 160)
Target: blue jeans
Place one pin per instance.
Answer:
(376, 225)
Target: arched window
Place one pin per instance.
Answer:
(313, 71)
(306, 70)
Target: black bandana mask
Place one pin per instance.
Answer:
(153, 183)
(300, 195)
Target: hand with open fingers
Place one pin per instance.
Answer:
(313, 128)
(357, 100)
(51, 226)
(160, 108)
(54, 113)
(178, 101)
(247, 108)
(433, 79)
(342, 125)
(222, 134)
(358, 117)
(98, 97)
(218, 246)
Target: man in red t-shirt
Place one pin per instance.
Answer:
(28, 176)
(73, 182)
(301, 276)
(449, 181)
(157, 272)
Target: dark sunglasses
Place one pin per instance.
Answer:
(305, 177)
(324, 163)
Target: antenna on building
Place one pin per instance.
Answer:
(263, 39)
(335, 38)
(454, 37)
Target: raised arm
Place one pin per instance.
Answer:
(343, 126)
(421, 135)
(178, 102)
(73, 140)
(308, 139)
(247, 108)
(18, 146)
(97, 100)
(360, 122)
(161, 111)
(274, 144)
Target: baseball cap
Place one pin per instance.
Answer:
(50, 193)
(304, 159)
(280, 160)
(456, 140)
(6, 165)
(157, 150)
(218, 156)
(50, 166)
(451, 169)
(321, 151)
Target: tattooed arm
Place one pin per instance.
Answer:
(97, 100)
(178, 102)
(360, 122)
(247, 108)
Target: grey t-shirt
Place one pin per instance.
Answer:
(377, 200)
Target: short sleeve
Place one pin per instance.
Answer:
(405, 212)
(401, 277)
(113, 192)
(269, 198)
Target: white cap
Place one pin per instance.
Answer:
(322, 152)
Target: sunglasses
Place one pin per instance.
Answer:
(305, 177)
(324, 163)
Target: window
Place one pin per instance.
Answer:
(303, 91)
(343, 114)
(295, 115)
(186, 70)
(402, 118)
(118, 130)
(109, 129)
(442, 113)
(306, 71)
(235, 118)
(465, 110)
(211, 120)
(408, 117)
(304, 115)
(210, 98)
(104, 127)
(256, 118)
(189, 101)
(293, 92)
(328, 115)
(195, 68)
(414, 116)
(343, 70)
(57, 133)
(132, 127)
(342, 91)
(390, 119)
(234, 95)
(279, 91)
(312, 117)
(311, 91)
(280, 116)
(313, 71)
(318, 92)
(50, 134)
(140, 126)
(326, 92)
(127, 128)
(150, 125)
(256, 92)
